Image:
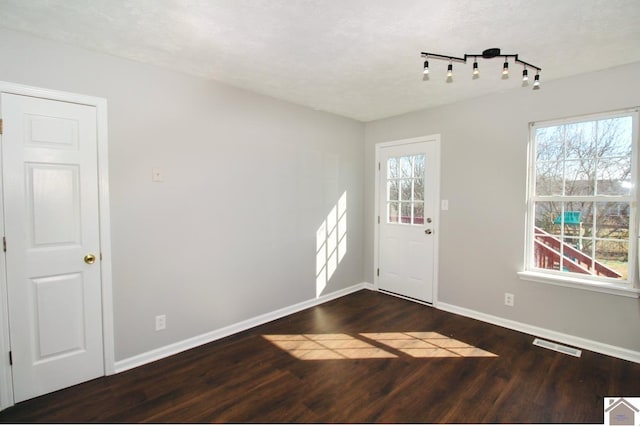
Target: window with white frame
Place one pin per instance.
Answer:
(582, 201)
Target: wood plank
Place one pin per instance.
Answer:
(246, 379)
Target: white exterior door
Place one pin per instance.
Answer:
(51, 211)
(408, 197)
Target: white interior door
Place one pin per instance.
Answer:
(408, 197)
(50, 185)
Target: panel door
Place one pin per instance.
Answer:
(408, 182)
(49, 170)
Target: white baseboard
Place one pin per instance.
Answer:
(590, 345)
(214, 335)
(174, 348)
(567, 339)
(370, 286)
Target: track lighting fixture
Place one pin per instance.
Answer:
(486, 54)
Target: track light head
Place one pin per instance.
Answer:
(536, 82)
(426, 68)
(505, 68)
(525, 75)
(476, 71)
(449, 73)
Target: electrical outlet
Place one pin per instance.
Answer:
(509, 299)
(161, 322)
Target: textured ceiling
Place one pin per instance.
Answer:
(356, 58)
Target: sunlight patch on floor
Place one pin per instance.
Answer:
(427, 345)
(326, 346)
(374, 345)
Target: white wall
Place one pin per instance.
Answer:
(484, 163)
(231, 232)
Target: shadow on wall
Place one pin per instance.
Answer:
(331, 243)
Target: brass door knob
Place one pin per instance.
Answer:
(428, 231)
(90, 259)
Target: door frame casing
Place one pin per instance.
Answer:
(435, 138)
(6, 382)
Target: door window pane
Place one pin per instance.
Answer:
(392, 212)
(418, 189)
(405, 166)
(405, 216)
(418, 213)
(392, 190)
(418, 166)
(392, 168)
(405, 189)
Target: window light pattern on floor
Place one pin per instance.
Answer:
(374, 345)
(327, 346)
(427, 345)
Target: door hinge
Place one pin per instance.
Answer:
(378, 165)
(0, 126)
(4, 244)
(10, 358)
(378, 220)
(378, 272)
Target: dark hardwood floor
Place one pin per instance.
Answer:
(249, 378)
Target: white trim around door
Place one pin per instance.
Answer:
(100, 104)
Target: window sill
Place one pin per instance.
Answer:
(579, 284)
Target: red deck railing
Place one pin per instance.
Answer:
(547, 251)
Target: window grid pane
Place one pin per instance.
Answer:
(575, 229)
(405, 190)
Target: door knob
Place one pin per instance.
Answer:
(428, 231)
(89, 259)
